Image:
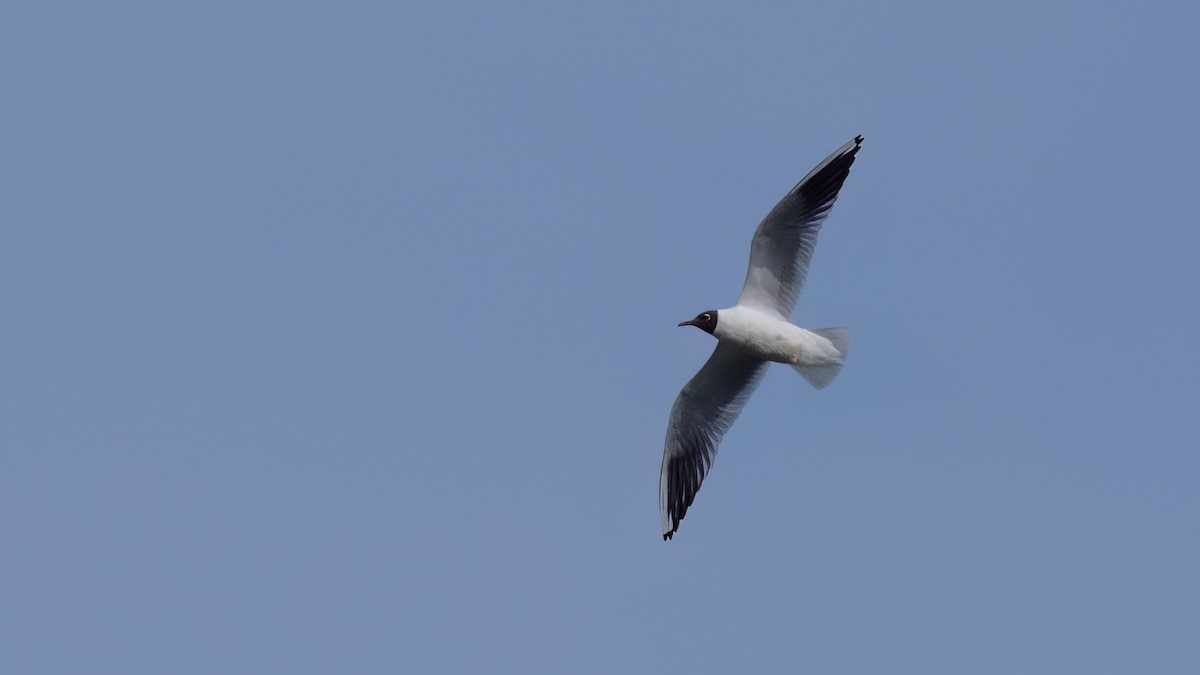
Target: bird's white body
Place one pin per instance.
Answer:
(765, 335)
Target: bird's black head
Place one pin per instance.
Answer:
(705, 321)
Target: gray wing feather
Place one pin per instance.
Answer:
(703, 412)
(784, 242)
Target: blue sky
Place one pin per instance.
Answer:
(341, 338)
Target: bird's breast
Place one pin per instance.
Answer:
(766, 337)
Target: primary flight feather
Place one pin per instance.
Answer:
(752, 333)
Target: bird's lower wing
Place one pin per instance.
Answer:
(703, 412)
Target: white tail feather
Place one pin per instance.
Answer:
(820, 376)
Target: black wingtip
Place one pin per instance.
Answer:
(668, 536)
(858, 139)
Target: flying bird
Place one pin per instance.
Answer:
(752, 333)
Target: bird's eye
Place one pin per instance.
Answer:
(705, 317)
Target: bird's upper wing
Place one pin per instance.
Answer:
(784, 242)
(703, 412)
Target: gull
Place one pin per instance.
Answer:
(752, 333)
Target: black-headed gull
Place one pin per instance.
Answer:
(754, 332)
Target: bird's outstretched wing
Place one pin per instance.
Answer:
(703, 412)
(784, 242)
